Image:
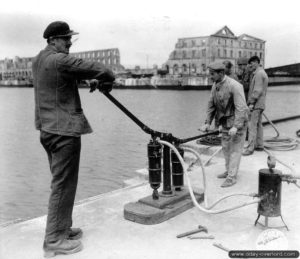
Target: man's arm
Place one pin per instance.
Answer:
(241, 109)
(82, 69)
(211, 108)
(257, 88)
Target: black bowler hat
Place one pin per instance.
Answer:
(58, 29)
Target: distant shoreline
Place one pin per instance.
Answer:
(163, 87)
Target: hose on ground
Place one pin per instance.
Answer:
(279, 143)
(255, 200)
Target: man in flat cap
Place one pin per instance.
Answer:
(60, 119)
(228, 107)
(256, 102)
(229, 69)
(244, 74)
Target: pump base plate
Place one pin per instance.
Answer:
(149, 212)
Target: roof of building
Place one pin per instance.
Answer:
(249, 38)
(224, 32)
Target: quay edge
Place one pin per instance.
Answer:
(108, 235)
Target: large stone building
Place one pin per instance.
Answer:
(192, 55)
(16, 69)
(108, 57)
(21, 68)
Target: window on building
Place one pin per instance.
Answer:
(231, 42)
(260, 55)
(184, 54)
(174, 54)
(255, 54)
(256, 45)
(245, 44)
(231, 53)
(219, 53)
(204, 53)
(260, 46)
(193, 53)
(225, 53)
(250, 54)
(240, 54)
(219, 41)
(250, 44)
(175, 68)
(193, 70)
(184, 68)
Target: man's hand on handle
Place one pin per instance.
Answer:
(205, 127)
(104, 87)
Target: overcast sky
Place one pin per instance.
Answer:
(146, 31)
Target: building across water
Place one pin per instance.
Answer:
(192, 55)
(18, 71)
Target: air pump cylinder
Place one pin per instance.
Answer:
(177, 170)
(154, 159)
(269, 188)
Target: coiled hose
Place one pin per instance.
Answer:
(279, 143)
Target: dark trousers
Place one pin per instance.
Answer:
(64, 156)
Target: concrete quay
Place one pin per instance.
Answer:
(108, 235)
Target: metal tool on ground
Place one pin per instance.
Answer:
(219, 245)
(202, 237)
(199, 229)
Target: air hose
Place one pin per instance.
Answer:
(279, 143)
(207, 209)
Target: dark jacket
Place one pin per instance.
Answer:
(57, 102)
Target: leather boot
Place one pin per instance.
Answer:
(63, 246)
(223, 175)
(74, 234)
(228, 182)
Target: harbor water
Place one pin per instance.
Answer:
(115, 149)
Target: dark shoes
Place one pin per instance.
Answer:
(259, 149)
(247, 152)
(228, 182)
(74, 234)
(64, 246)
(223, 175)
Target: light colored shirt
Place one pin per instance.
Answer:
(258, 89)
(227, 104)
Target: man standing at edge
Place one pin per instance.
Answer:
(244, 74)
(228, 106)
(61, 121)
(256, 102)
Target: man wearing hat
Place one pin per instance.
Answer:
(228, 107)
(256, 102)
(61, 121)
(244, 74)
(229, 69)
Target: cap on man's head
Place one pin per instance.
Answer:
(217, 66)
(58, 29)
(254, 58)
(242, 61)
